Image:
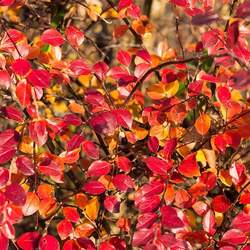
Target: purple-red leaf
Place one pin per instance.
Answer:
(94, 187)
(99, 168)
(52, 37)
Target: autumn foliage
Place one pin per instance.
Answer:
(133, 146)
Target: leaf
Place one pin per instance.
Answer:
(240, 80)
(112, 204)
(39, 78)
(21, 67)
(142, 237)
(189, 167)
(4, 242)
(6, 2)
(99, 168)
(6, 154)
(146, 220)
(243, 10)
(241, 222)
(48, 242)
(23, 92)
(123, 163)
(31, 205)
(5, 79)
(71, 214)
(94, 187)
(52, 37)
(4, 177)
(205, 18)
(170, 218)
(16, 194)
(28, 240)
(124, 4)
(158, 166)
(148, 204)
(74, 142)
(104, 123)
(74, 36)
(91, 149)
(153, 144)
(38, 132)
(120, 30)
(123, 182)
(123, 57)
(84, 230)
(234, 237)
(123, 117)
(8, 230)
(79, 67)
(220, 204)
(92, 208)
(101, 69)
(64, 229)
(12, 113)
(25, 165)
(202, 124)
(209, 222)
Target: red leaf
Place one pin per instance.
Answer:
(242, 222)
(4, 242)
(94, 187)
(6, 154)
(158, 166)
(38, 132)
(52, 37)
(205, 18)
(209, 222)
(182, 3)
(70, 245)
(25, 165)
(91, 150)
(12, 113)
(146, 220)
(124, 57)
(243, 10)
(4, 177)
(28, 241)
(234, 237)
(142, 237)
(104, 123)
(123, 163)
(245, 198)
(170, 218)
(99, 168)
(220, 204)
(9, 138)
(74, 142)
(16, 194)
(74, 36)
(112, 204)
(64, 229)
(144, 55)
(79, 67)
(71, 214)
(123, 117)
(5, 79)
(21, 66)
(39, 78)
(169, 147)
(101, 69)
(72, 119)
(224, 94)
(153, 144)
(124, 4)
(48, 242)
(240, 80)
(23, 92)
(148, 204)
(6, 2)
(189, 166)
(123, 182)
(8, 230)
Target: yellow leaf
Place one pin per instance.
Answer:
(218, 218)
(26, 145)
(156, 91)
(171, 89)
(202, 124)
(201, 157)
(92, 208)
(159, 131)
(225, 177)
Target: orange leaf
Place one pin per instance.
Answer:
(31, 205)
(189, 166)
(203, 124)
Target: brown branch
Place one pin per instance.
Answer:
(162, 65)
(138, 38)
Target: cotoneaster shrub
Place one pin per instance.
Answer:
(129, 148)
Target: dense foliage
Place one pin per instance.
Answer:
(131, 146)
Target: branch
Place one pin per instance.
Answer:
(162, 65)
(138, 38)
